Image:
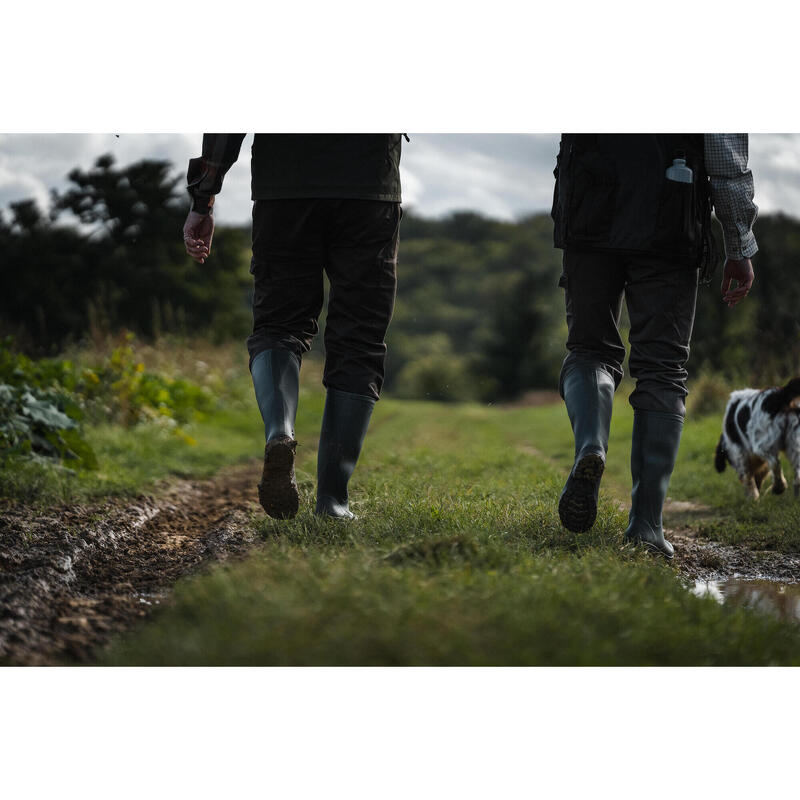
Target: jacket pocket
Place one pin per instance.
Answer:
(592, 200)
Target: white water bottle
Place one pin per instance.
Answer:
(679, 172)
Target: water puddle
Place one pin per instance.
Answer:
(773, 597)
(150, 598)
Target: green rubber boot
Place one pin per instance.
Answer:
(344, 426)
(276, 377)
(588, 392)
(656, 437)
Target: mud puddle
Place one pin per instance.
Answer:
(757, 579)
(705, 560)
(72, 577)
(772, 597)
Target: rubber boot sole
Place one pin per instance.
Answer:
(277, 491)
(577, 507)
(651, 548)
(655, 550)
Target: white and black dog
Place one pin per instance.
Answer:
(757, 425)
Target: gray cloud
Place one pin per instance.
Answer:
(502, 175)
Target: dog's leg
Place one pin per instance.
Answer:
(756, 470)
(778, 481)
(750, 486)
(793, 451)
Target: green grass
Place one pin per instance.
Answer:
(458, 558)
(772, 523)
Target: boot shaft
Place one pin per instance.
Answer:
(654, 451)
(344, 426)
(588, 393)
(276, 380)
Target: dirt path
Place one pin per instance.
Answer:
(72, 577)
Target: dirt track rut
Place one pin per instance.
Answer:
(72, 577)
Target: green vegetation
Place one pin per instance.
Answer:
(722, 512)
(458, 558)
(100, 422)
(125, 268)
(479, 313)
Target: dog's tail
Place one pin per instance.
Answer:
(780, 399)
(721, 456)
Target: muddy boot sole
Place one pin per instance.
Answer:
(577, 507)
(277, 491)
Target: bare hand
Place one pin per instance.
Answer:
(741, 271)
(198, 230)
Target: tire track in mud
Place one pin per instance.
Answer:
(74, 576)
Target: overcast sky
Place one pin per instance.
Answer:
(501, 175)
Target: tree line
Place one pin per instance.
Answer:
(479, 313)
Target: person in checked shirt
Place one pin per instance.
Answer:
(632, 213)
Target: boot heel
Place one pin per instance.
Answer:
(277, 491)
(577, 507)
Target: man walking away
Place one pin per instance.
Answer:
(321, 202)
(632, 213)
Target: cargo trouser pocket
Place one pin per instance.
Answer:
(387, 258)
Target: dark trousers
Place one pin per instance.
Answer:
(661, 301)
(355, 243)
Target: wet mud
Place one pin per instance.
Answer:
(702, 559)
(72, 577)
(763, 580)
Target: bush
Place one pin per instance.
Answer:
(44, 402)
(708, 395)
(33, 423)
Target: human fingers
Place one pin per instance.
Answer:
(735, 296)
(196, 249)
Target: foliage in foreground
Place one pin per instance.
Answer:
(42, 402)
(106, 412)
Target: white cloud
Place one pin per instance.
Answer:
(502, 175)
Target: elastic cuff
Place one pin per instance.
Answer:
(572, 362)
(254, 356)
(353, 396)
(660, 414)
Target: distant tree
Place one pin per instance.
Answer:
(124, 267)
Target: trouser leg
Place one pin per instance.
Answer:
(361, 265)
(590, 373)
(593, 289)
(661, 305)
(362, 268)
(288, 258)
(287, 265)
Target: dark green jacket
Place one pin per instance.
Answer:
(364, 166)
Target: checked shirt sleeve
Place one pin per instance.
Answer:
(205, 175)
(732, 191)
